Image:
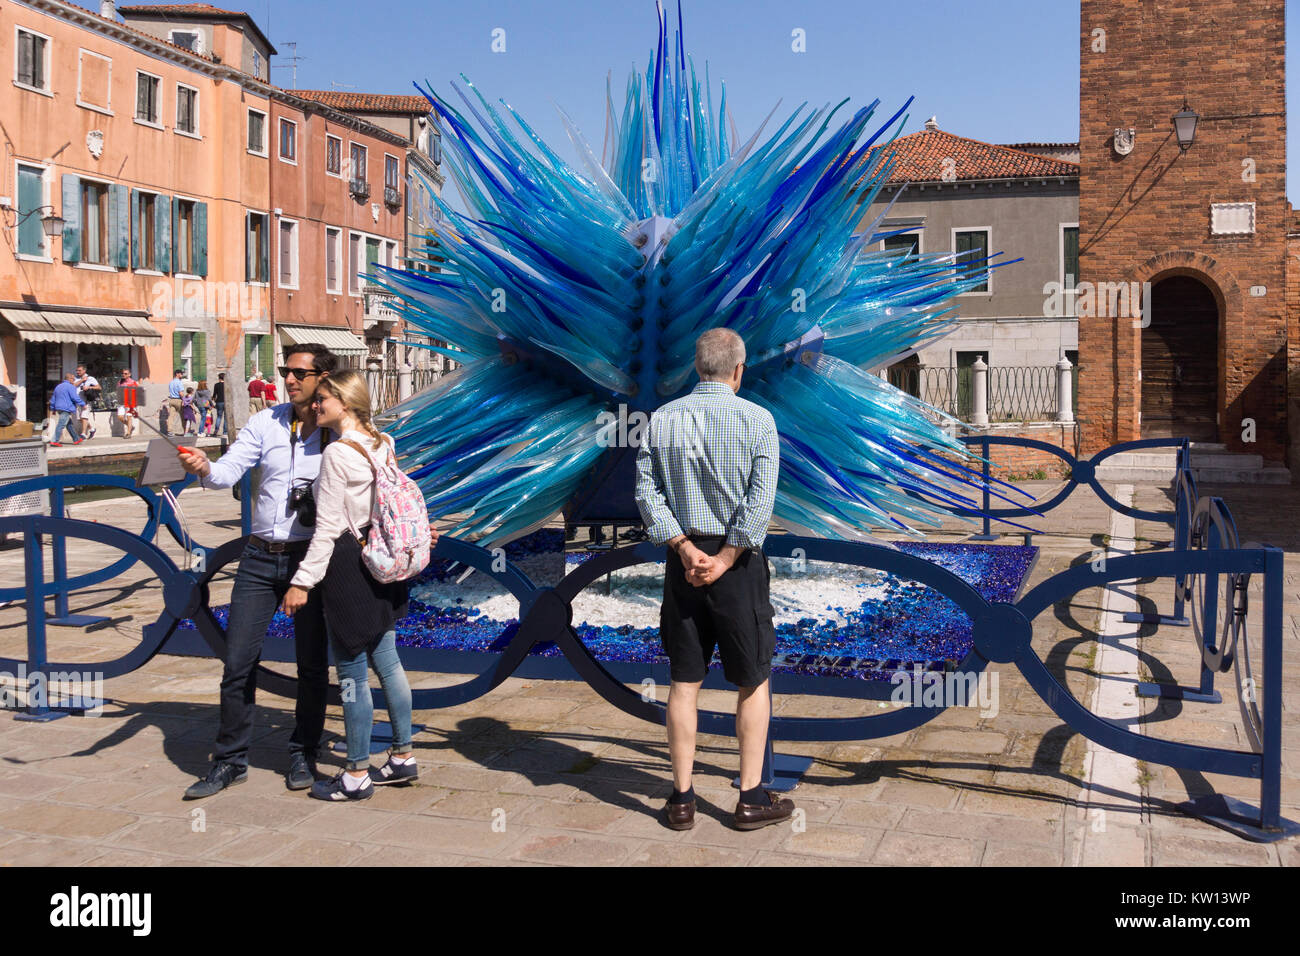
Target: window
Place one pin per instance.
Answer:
(257, 248)
(94, 81)
(94, 223)
(373, 250)
(289, 253)
(972, 245)
(257, 65)
(288, 141)
(333, 155)
(31, 197)
(146, 235)
(333, 252)
(909, 243)
(257, 132)
(187, 110)
(146, 98)
(184, 239)
(1069, 266)
(357, 161)
(392, 172)
(355, 264)
(32, 68)
(186, 40)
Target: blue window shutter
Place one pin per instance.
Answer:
(119, 226)
(31, 196)
(135, 229)
(162, 233)
(71, 218)
(200, 254)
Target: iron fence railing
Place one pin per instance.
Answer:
(1016, 393)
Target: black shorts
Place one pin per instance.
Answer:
(734, 614)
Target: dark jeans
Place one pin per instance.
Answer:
(259, 588)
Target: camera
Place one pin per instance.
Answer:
(302, 500)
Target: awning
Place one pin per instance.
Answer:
(33, 325)
(339, 341)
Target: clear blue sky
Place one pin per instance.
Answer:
(1000, 72)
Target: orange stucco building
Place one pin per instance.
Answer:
(198, 201)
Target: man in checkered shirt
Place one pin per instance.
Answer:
(706, 482)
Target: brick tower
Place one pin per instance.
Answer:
(1201, 231)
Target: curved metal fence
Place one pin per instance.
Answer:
(1217, 572)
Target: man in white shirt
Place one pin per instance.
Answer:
(88, 388)
(286, 444)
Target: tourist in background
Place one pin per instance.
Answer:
(64, 403)
(175, 391)
(359, 612)
(256, 401)
(268, 392)
(706, 484)
(219, 403)
(188, 414)
(88, 388)
(128, 400)
(202, 399)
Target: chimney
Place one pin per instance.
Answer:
(108, 9)
(932, 123)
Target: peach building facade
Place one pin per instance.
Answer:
(155, 138)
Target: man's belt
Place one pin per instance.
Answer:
(279, 547)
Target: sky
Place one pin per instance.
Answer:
(1002, 73)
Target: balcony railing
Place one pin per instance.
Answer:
(359, 188)
(392, 196)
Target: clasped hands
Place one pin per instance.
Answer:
(701, 568)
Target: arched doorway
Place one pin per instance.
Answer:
(1180, 357)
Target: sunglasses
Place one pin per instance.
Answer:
(298, 373)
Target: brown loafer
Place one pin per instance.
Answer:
(681, 816)
(751, 817)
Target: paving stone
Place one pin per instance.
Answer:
(915, 849)
(1020, 855)
(56, 819)
(573, 849)
(686, 854)
(981, 826)
(1182, 850)
(190, 838)
(316, 852)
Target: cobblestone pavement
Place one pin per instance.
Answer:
(545, 772)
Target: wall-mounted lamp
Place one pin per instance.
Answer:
(52, 223)
(1185, 125)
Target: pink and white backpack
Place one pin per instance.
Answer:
(399, 542)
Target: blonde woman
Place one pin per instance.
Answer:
(359, 612)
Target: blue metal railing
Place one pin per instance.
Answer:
(1002, 633)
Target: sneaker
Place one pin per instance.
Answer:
(394, 772)
(301, 773)
(220, 776)
(335, 791)
(78, 441)
(56, 444)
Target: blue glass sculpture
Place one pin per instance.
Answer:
(574, 290)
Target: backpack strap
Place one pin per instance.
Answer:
(374, 477)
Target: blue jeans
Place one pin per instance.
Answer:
(259, 588)
(359, 706)
(65, 421)
(219, 418)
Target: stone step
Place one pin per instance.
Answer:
(1272, 475)
(1227, 460)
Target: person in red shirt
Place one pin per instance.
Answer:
(268, 393)
(256, 394)
(128, 396)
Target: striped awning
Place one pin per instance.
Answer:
(339, 341)
(33, 325)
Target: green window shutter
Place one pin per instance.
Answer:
(265, 274)
(178, 347)
(135, 229)
(119, 226)
(250, 343)
(1071, 265)
(266, 358)
(71, 218)
(31, 196)
(200, 356)
(199, 255)
(162, 233)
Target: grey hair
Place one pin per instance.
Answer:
(717, 353)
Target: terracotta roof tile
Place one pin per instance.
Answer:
(200, 9)
(367, 102)
(922, 157)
